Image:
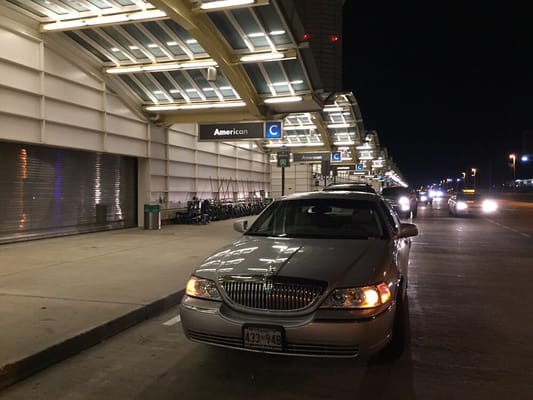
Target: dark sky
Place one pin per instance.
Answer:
(447, 85)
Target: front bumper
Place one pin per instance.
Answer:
(214, 323)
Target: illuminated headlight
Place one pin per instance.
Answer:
(461, 205)
(202, 288)
(404, 203)
(359, 297)
(489, 206)
(423, 198)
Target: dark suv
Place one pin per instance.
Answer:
(403, 200)
(350, 187)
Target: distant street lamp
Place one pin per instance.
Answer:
(513, 157)
(474, 171)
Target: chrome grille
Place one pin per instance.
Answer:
(265, 294)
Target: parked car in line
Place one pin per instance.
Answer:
(351, 187)
(403, 199)
(471, 202)
(316, 274)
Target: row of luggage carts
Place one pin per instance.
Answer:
(203, 212)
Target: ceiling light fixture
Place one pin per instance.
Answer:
(162, 67)
(103, 20)
(224, 3)
(262, 57)
(284, 99)
(192, 106)
(295, 144)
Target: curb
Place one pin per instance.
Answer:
(19, 370)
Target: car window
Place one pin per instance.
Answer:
(333, 218)
(391, 215)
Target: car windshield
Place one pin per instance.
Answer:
(331, 218)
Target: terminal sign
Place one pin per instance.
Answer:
(229, 132)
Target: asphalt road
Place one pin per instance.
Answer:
(468, 335)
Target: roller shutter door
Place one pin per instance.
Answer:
(48, 192)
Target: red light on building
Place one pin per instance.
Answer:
(334, 38)
(306, 36)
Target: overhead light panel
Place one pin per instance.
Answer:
(103, 20)
(211, 5)
(283, 99)
(262, 57)
(193, 106)
(162, 66)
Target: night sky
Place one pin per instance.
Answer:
(447, 85)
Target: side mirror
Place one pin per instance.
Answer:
(407, 230)
(241, 225)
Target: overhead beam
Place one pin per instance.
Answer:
(201, 28)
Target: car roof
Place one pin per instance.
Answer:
(340, 194)
(361, 187)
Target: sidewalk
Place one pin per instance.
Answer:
(60, 296)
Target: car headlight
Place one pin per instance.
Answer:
(489, 206)
(358, 297)
(461, 205)
(404, 203)
(423, 197)
(202, 288)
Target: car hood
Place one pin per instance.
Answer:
(337, 262)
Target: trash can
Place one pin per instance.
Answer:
(152, 216)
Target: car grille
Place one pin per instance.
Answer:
(266, 294)
(297, 349)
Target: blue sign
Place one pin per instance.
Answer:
(335, 156)
(359, 167)
(273, 130)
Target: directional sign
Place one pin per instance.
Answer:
(335, 156)
(359, 167)
(273, 130)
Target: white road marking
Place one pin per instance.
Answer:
(525, 235)
(173, 321)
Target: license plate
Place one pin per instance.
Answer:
(263, 338)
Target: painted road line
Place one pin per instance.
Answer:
(173, 321)
(525, 235)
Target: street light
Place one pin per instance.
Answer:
(513, 157)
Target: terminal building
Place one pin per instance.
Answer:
(107, 106)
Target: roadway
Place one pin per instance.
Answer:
(468, 335)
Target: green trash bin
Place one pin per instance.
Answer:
(152, 216)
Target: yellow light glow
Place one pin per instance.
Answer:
(371, 297)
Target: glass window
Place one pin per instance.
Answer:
(332, 218)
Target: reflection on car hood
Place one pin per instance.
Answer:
(350, 262)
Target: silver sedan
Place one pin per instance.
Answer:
(316, 274)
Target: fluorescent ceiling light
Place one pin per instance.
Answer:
(198, 106)
(262, 57)
(224, 3)
(162, 66)
(344, 143)
(284, 99)
(294, 144)
(339, 125)
(332, 109)
(103, 20)
(275, 33)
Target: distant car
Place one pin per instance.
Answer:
(424, 197)
(403, 200)
(319, 274)
(471, 202)
(351, 187)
